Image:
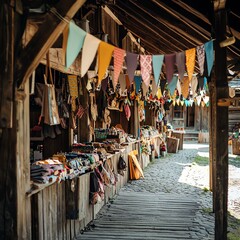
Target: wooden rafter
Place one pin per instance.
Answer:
(45, 37)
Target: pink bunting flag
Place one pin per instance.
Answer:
(146, 68)
(118, 63)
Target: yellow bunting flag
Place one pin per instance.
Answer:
(190, 61)
(105, 51)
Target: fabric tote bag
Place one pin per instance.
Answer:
(50, 107)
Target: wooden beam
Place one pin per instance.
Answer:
(220, 134)
(45, 37)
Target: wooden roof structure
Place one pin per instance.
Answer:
(160, 26)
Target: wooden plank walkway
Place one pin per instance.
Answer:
(144, 215)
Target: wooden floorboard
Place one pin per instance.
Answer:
(143, 215)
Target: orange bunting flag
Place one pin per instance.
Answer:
(146, 68)
(185, 86)
(89, 51)
(118, 63)
(190, 61)
(105, 51)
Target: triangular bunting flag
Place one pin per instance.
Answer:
(190, 61)
(185, 87)
(172, 85)
(89, 51)
(194, 84)
(157, 62)
(146, 68)
(199, 99)
(75, 41)
(170, 60)
(118, 63)
(206, 99)
(201, 58)
(137, 80)
(105, 51)
(209, 55)
(179, 88)
(180, 61)
(131, 62)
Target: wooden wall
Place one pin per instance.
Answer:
(49, 207)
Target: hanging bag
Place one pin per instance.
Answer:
(49, 108)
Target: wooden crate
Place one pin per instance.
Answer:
(180, 136)
(235, 147)
(172, 144)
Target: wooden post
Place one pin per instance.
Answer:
(220, 132)
(8, 127)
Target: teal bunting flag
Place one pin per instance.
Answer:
(137, 80)
(157, 62)
(209, 55)
(172, 85)
(75, 41)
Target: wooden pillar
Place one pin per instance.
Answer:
(8, 128)
(220, 129)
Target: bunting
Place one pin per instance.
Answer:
(179, 88)
(75, 41)
(105, 51)
(180, 61)
(157, 62)
(145, 89)
(201, 58)
(209, 55)
(190, 61)
(170, 60)
(146, 68)
(131, 62)
(194, 84)
(89, 51)
(118, 63)
(185, 86)
(172, 85)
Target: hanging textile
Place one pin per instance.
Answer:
(89, 51)
(64, 44)
(127, 82)
(118, 63)
(201, 58)
(105, 51)
(137, 80)
(131, 62)
(190, 61)
(170, 60)
(159, 93)
(157, 62)
(172, 85)
(209, 56)
(185, 86)
(146, 68)
(180, 62)
(75, 41)
(144, 88)
(198, 99)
